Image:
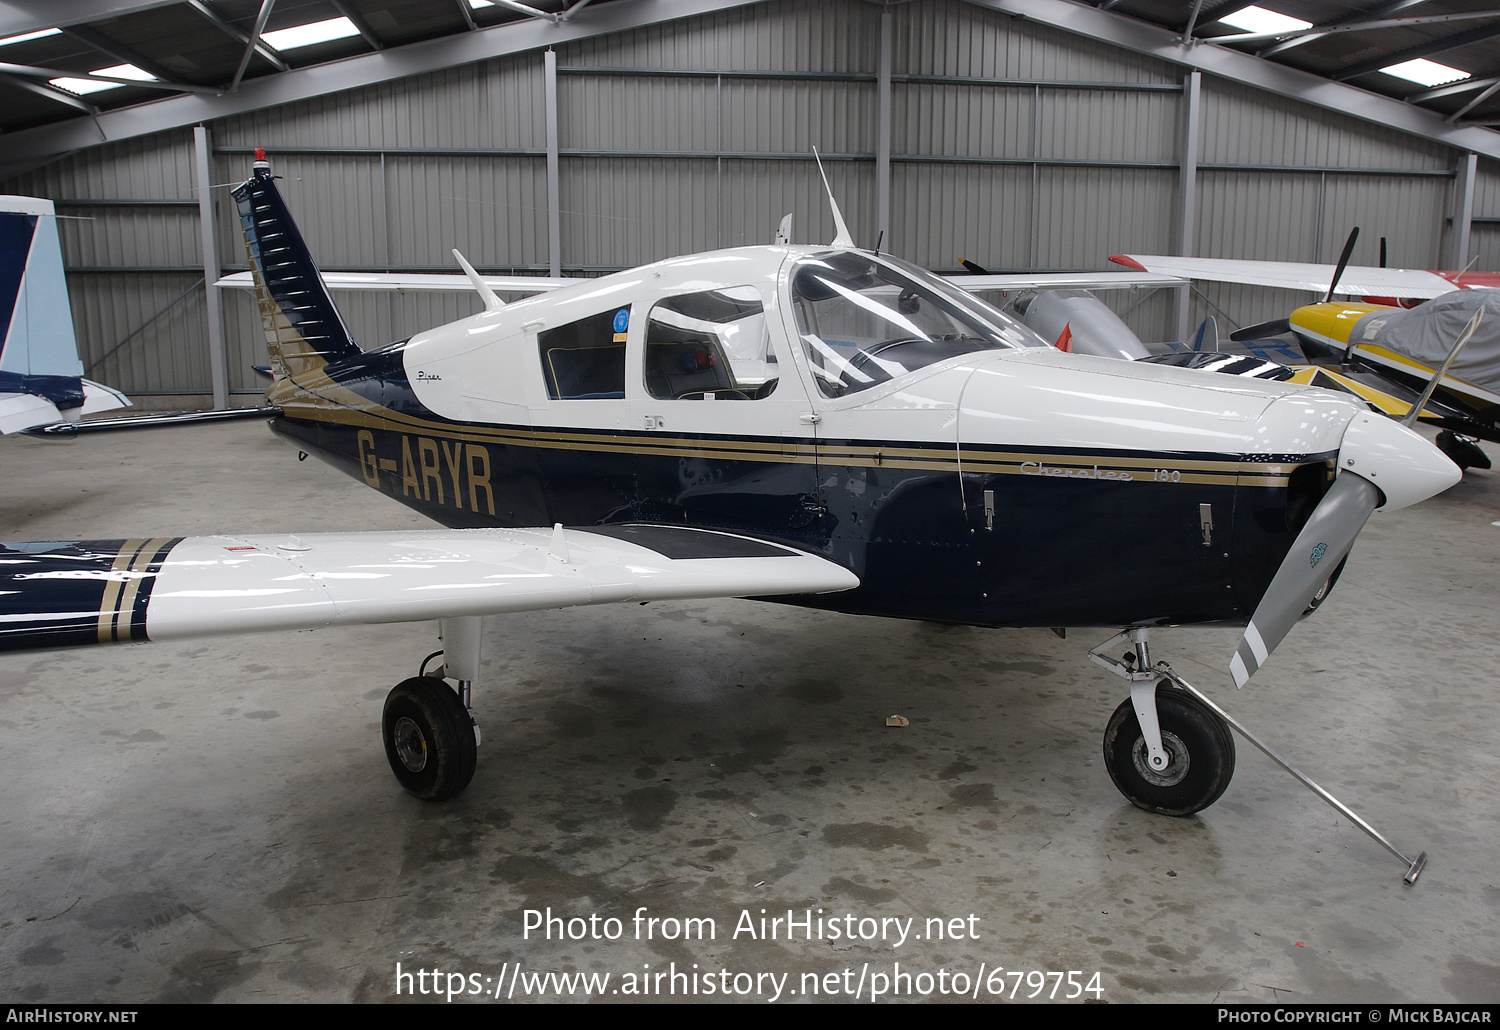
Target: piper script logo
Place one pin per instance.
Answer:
(1317, 554)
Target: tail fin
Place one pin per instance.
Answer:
(36, 323)
(304, 330)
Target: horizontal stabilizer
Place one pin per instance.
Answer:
(418, 282)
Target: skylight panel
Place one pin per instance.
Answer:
(1258, 19)
(307, 35)
(25, 36)
(79, 87)
(1425, 72)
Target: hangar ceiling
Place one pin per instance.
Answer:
(153, 64)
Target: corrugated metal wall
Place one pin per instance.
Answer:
(1014, 145)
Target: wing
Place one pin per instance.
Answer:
(1357, 281)
(436, 282)
(1062, 281)
(430, 282)
(99, 592)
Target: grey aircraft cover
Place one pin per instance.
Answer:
(1427, 333)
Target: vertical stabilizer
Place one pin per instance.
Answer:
(40, 374)
(304, 330)
(36, 324)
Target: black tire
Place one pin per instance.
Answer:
(1462, 451)
(1199, 745)
(429, 738)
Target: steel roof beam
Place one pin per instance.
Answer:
(49, 92)
(1367, 26)
(117, 51)
(1436, 46)
(16, 18)
(1452, 89)
(28, 148)
(235, 34)
(530, 12)
(360, 25)
(30, 71)
(253, 43)
(1381, 11)
(1245, 69)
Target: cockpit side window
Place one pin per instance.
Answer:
(865, 320)
(586, 359)
(711, 345)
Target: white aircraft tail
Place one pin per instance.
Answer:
(41, 377)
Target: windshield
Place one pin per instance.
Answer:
(865, 320)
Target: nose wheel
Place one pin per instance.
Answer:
(1199, 749)
(429, 738)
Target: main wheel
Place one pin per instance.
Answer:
(429, 738)
(1200, 755)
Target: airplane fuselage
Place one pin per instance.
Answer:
(996, 485)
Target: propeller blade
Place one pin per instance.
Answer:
(974, 266)
(1275, 327)
(1316, 553)
(1338, 273)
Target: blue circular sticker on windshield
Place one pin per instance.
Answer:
(622, 320)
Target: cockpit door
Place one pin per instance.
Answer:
(718, 414)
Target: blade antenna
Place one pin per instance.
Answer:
(842, 238)
(784, 231)
(491, 301)
(1437, 377)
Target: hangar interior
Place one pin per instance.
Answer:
(174, 836)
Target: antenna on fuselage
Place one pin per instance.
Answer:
(842, 239)
(784, 231)
(491, 301)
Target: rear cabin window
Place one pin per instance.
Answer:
(586, 359)
(712, 345)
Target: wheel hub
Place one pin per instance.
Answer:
(411, 745)
(1178, 761)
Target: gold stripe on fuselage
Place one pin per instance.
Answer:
(316, 397)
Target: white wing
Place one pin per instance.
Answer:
(1357, 281)
(1063, 281)
(87, 592)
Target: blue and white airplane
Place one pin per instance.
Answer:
(825, 425)
(41, 378)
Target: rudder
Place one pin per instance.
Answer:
(304, 330)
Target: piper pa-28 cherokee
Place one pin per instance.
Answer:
(828, 426)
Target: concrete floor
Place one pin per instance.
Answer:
(216, 821)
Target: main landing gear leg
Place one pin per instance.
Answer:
(1190, 732)
(431, 738)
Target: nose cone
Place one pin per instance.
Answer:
(1399, 461)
